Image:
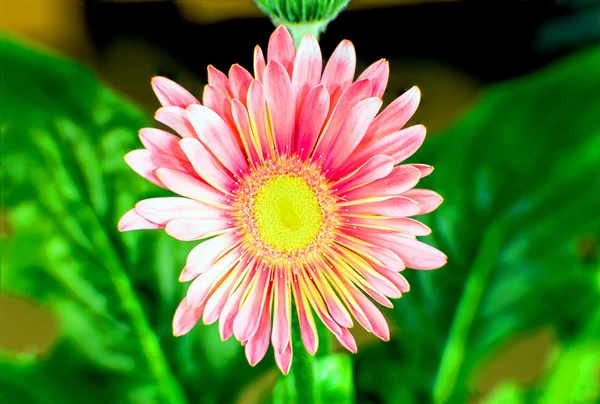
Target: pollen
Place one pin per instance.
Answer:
(286, 210)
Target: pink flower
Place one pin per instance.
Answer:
(293, 174)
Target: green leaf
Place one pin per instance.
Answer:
(335, 379)
(65, 186)
(519, 178)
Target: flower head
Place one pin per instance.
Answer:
(293, 177)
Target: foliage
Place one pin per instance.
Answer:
(520, 180)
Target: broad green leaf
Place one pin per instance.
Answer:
(519, 175)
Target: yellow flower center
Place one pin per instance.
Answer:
(285, 210)
(287, 213)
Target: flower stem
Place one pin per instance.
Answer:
(303, 367)
(454, 351)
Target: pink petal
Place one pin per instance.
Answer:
(219, 80)
(401, 224)
(208, 280)
(185, 318)
(208, 252)
(195, 229)
(308, 328)
(307, 68)
(312, 117)
(339, 71)
(396, 206)
(221, 293)
(418, 255)
(378, 73)
(281, 48)
(156, 139)
(316, 302)
(334, 305)
(215, 133)
(239, 79)
(257, 112)
(214, 99)
(186, 275)
(259, 63)
(377, 255)
(399, 145)
(257, 346)
(170, 93)
(145, 162)
(246, 322)
(351, 132)
(280, 336)
(206, 166)
(379, 166)
(284, 359)
(280, 102)
(428, 200)
(232, 304)
(379, 325)
(395, 116)
(190, 187)
(176, 119)
(242, 123)
(349, 98)
(424, 168)
(401, 179)
(133, 221)
(347, 340)
(162, 210)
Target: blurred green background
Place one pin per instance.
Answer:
(511, 97)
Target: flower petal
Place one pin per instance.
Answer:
(251, 143)
(239, 79)
(282, 323)
(281, 107)
(205, 165)
(350, 97)
(312, 117)
(145, 162)
(190, 187)
(284, 359)
(185, 318)
(162, 210)
(259, 63)
(282, 49)
(378, 73)
(308, 328)
(395, 116)
(347, 340)
(395, 206)
(134, 221)
(195, 229)
(339, 71)
(379, 166)
(160, 140)
(247, 320)
(219, 80)
(257, 346)
(401, 179)
(215, 133)
(424, 168)
(176, 119)
(208, 252)
(427, 199)
(257, 112)
(170, 93)
(307, 68)
(351, 132)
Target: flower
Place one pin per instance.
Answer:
(292, 176)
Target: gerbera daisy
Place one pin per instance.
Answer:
(292, 178)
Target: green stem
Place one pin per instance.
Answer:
(303, 366)
(168, 385)
(454, 351)
(298, 30)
